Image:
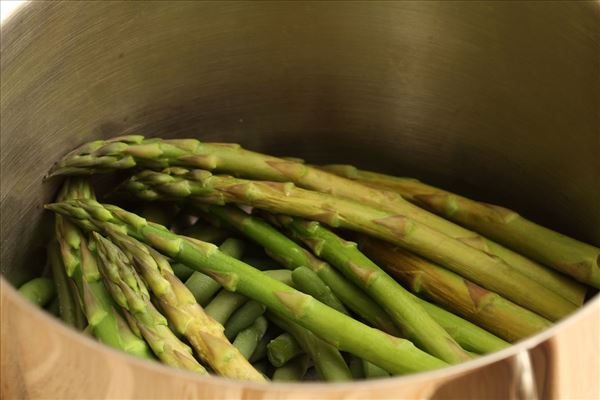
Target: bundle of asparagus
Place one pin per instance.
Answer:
(213, 297)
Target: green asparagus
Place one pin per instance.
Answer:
(39, 291)
(104, 321)
(488, 271)
(292, 256)
(130, 292)
(567, 255)
(414, 321)
(483, 307)
(185, 315)
(393, 354)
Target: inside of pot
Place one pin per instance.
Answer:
(474, 100)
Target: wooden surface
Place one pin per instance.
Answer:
(43, 360)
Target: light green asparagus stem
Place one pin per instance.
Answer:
(68, 305)
(282, 349)
(129, 151)
(260, 353)
(488, 271)
(414, 321)
(181, 271)
(243, 317)
(39, 291)
(130, 292)
(574, 258)
(224, 304)
(483, 307)
(468, 335)
(307, 281)
(393, 354)
(372, 371)
(327, 359)
(282, 275)
(104, 321)
(293, 370)
(247, 340)
(185, 315)
(292, 256)
(202, 286)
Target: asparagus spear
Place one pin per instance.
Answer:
(203, 286)
(68, 305)
(327, 359)
(247, 340)
(282, 349)
(186, 316)
(415, 322)
(129, 151)
(104, 321)
(181, 271)
(372, 371)
(38, 290)
(393, 354)
(292, 256)
(569, 256)
(293, 370)
(260, 352)
(488, 271)
(243, 317)
(468, 335)
(225, 304)
(307, 281)
(485, 308)
(130, 292)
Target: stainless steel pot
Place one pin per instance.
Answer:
(496, 100)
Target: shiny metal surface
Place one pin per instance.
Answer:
(497, 100)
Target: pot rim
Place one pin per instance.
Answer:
(447, 372)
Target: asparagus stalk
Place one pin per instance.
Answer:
(225, 304)
(292, 256)
(282, 349)
(186, 316)
(160, 214)
(393, 354)
(567, 255)
(260, 352)
(307, 281)
(327, 359)
(181, 271)
(483, 307)
(104, 321)
(293, 370)
(468, 335)
(372, 371)
(486, 270)
(129, 151)
(68, 305)
(414, 321)
(130, 292)
(38, 290)
(203, 286)
(243, 318)
(247, 340)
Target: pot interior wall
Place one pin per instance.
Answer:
(496, 100)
